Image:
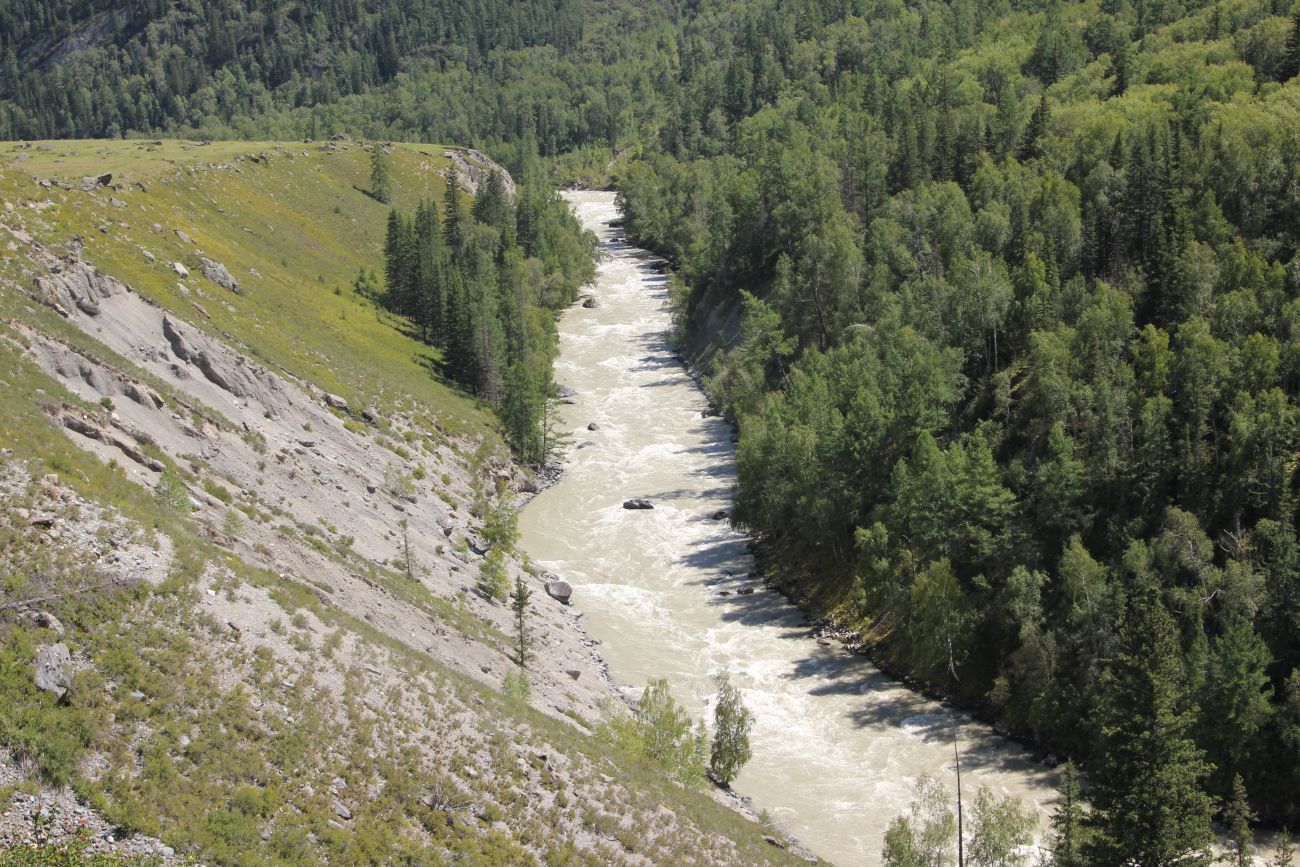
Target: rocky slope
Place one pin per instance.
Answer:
(251, 517)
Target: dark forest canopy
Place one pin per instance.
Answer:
(1019, 367)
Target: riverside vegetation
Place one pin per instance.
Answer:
(1003, 298)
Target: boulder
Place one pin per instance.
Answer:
(564, 391)
(590, 303)
(341, 810)
(720, 515)
(219, 274)
(336, 402)
(560, 591)
(370, 414)
(184, 237)
(181, 270)
(573, 673)
(44, 620)
(54, 669)
(593, 426)
(637, 504)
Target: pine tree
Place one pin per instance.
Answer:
(1121, 62)
(1284, 852)
(492, 205)
(519, 600)
(1068, 822)
(1291, 67)
(1031, 146)
(428, 304)
(1148, 807)
(380, 175)
(453, 232)
(398, 262)
(1238, 817)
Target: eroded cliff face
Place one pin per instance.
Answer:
(267, 589)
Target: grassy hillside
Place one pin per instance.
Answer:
(256, 676)
(297, 215)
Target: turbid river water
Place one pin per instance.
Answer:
(837, 745)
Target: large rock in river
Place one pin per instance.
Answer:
(638, 503)
(560, 591)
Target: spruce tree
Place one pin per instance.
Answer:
(453, 230)
(1284, 852)
(381, 185)
(1031, 146)
(1148, 806)
(492, 205)
(1068, 821)
(519, 600)
(1237, 817)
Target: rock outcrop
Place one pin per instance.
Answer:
(473, 167)
(78, 285)
(54, 669)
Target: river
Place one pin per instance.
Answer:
(837, 745)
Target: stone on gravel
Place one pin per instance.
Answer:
(560, 591)
(54, 669)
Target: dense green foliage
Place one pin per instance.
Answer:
(662, 732)
(485, 287)
(1020, 357)
(996, 832)
(732, 721)
(95, 68)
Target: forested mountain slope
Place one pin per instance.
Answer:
(1018, 371)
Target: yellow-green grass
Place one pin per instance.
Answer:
(300, 216)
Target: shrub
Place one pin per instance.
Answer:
(171, 494)
(492, 578)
